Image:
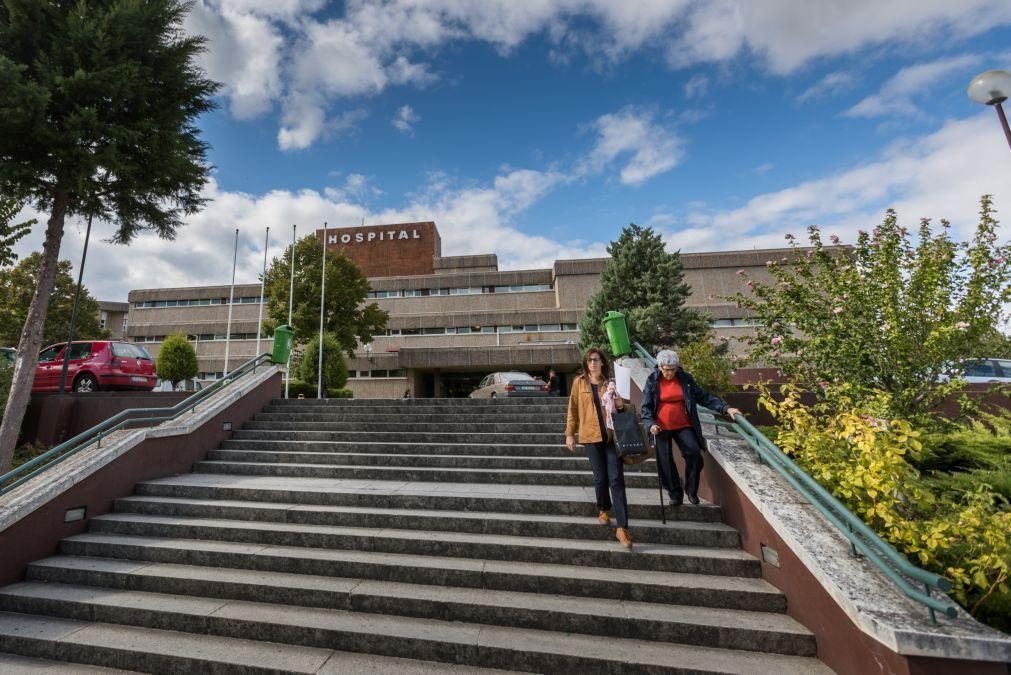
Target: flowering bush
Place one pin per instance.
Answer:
(866, 461)
(886, 316)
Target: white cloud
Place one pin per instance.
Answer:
(941, 175)
(697, 86)
(896, 96)
(647, 147)
(831, 85)
(287, 52)
(405, 119)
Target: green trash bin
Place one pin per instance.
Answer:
(283, 336)
(617, 333)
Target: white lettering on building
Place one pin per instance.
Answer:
(363, 237)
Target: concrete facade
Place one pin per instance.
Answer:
(453, 319)
(113, 316)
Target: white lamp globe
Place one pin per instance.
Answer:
(991, 87)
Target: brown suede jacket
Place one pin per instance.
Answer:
(582, 418)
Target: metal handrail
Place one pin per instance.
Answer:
(861, 537)
(117, 422)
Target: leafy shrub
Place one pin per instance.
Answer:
(869, 464)
(308, 390)
(335, 371)
(710, 364)
(177, 360)
(343, 392)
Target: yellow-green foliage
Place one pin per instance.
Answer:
(866, 462)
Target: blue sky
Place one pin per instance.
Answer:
(537, 129)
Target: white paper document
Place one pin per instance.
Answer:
(623, 381)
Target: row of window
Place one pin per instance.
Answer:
(726, 323)
(465, 330)
(146, 304)
(464, 290)
(373, 374)
(203, 337)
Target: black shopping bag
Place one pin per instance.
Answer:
(628, 439)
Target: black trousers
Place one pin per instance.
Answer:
(608, 480)
(688, 443)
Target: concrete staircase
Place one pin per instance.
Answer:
(414, 536)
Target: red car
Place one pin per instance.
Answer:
(95, 365)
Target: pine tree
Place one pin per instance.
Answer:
(97, 117)
(10, 232)
(647, 285)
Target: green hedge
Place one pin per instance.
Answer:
(309, 389)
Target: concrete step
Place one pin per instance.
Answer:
(553, 402)
(559, 462)
(403, 447)
(12, 664)
(726, 629)
(598, 552)
(471, 497)
(165, 651)
(485, 411)
(420, 422)
(508, 415)
(398, 636)
(633, 479)
(457, 426)
(471, 437)
(729, 592)
(684, 533)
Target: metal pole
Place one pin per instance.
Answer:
(291, 301)
(263, 280)
(231, 298)
(1003, 122)
(322, 296)
(73, 312)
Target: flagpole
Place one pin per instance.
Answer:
(231, 299)
(291, 300)
(322, 297)
(263, 281)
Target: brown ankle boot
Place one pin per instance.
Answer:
(625, 538)
(603, 518)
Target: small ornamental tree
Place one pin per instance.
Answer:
(177, 360)
(347, 316)
(893, 315)
(335, 371)
(645, 283)
(710, 363)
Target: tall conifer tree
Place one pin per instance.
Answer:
(97, 117)
(646, 283)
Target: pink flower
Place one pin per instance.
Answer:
(724, 338)
(837, 311)
(833, 238)
(777, 341)
(823, 384)
(810, 255)
(740, 273)
(886, 326)
(996, 261)
(961, 325)
(862, 233)
(751, 284)
(874, 232)
(903, 231)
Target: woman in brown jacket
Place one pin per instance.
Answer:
(587, 418)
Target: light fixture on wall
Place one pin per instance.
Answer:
(368, 352)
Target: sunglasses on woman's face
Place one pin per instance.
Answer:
(594, 359)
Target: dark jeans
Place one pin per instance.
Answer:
(608, 472)
(692, 453)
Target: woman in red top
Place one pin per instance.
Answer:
(670, 407)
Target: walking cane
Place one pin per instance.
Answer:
(663, 509)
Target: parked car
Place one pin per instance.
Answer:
(95, 365)
(510, 385)
(7, 356)
(987, 370)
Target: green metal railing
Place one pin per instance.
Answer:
(122, 420)
(911, 580)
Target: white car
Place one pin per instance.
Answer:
(510, 385)
(987, 370)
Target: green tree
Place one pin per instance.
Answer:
(100, 100)
(347, 317)
(646, 283)
(17, 286)
(10, 232)
(889, 316)
(177, 360)
(335, 370)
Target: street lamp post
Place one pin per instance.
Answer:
(993, 88)
(73, 314)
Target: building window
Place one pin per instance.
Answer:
(102, 319)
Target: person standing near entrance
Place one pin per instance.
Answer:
(554, 384)
(670, 408)
(587, 418)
